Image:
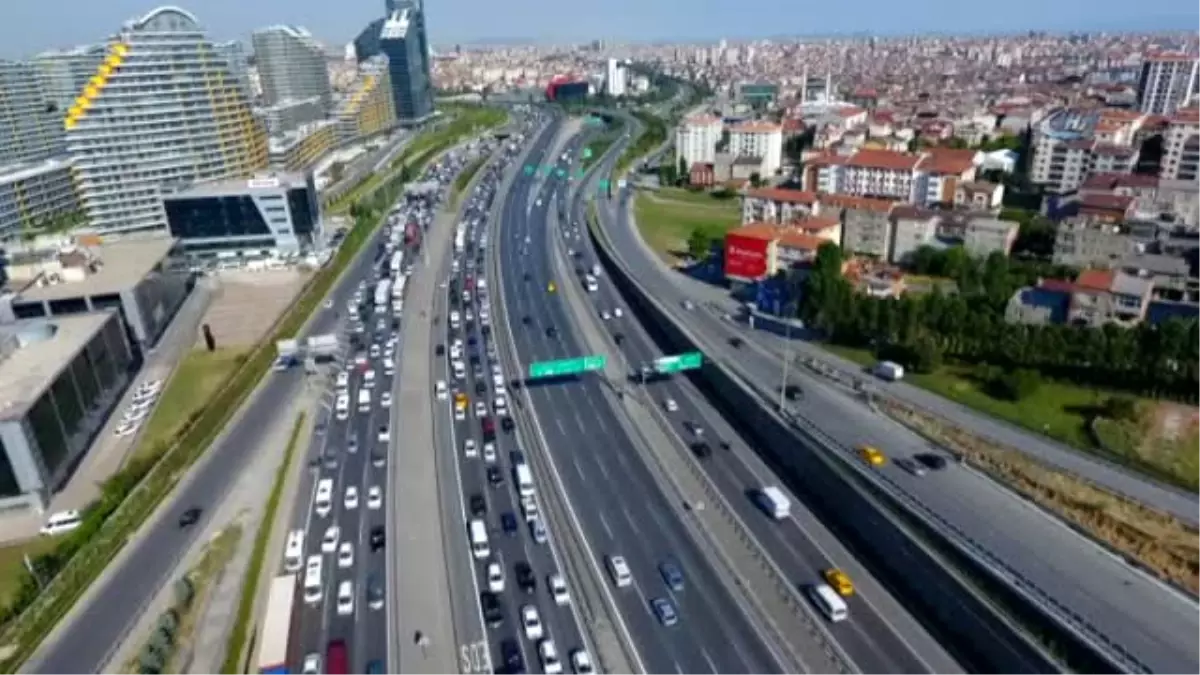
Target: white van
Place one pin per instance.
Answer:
(524, 479)
(479, 539)
(589, 282)
(618, 569)
(342, 408)
(343, 381)
(62, 522)
(389, 367)
(364, 400)
(324, 500)
(293, 552)
(829, 602)
(369, 379)
(313, 588)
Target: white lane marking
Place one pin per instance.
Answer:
(604, 524)
(708, 659)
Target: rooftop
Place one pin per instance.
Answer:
(237, 186)
(34, 351)
(15, 173)
(122, 264)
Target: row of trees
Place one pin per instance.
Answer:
(968, 326)
(54, 224)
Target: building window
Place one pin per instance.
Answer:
(68, 306)
(48, 431)
(9, 487)
(29, 310)
(215, 217)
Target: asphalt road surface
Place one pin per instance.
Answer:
(1155, 624)
(622, 510)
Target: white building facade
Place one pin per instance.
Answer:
(696, 140)
(759, 139)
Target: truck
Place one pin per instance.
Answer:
(383, 294)
(412, 233)
(524, 479)
(460, 240)
(889, 370)
(772, 501)
(277, 626)
(323, 348)
(288, 354)
(397, 263)
(398, 288)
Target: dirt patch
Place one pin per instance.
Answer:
(245, 304)
(1161, 543)
(1161, 435)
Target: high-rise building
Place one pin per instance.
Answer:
(402, 40)
(130, 135)
(64, 73)
(292, 65)
(1167, 83)
(235, 54)
(614, 78)
(30, 119)
(368, 107)
(366, 44)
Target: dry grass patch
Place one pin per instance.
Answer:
(1160, 542)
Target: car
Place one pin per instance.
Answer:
(352, 444)
(491, 608)
(931, 461)
(604, 314)
(529, 508)
(460, 415)
(329, 542)
(126, 429)
(537, 530)
(793, 392)
(912, 466)
(478, 505)
(489, 453)
(671, 574)
(480, 387)
(470, 450)
(495, 476)
(531, 622)
(385, 434)
(440, 389)
(581, 662)
(345, 555)
(508, 521)
(507, 424)
(190, 516)
(670, 405)
(439, 350)
(664, 611)
(701, 449)
(312, 664)
(526, 320)
(872, 456)
(378, 459)
(385, 400)
(350, 501)
(694, 428)
(481, 409)
(526, 580)
(617, 312)
(377, 538)
(551, 332)
(345, 598)
(374, 497)
(548, 654)
(839, 581)
(558, 589)
(736, 342)
(375, 593)
(495, 577)
(510, 654)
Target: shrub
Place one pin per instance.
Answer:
(1015, 385)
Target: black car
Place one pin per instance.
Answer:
(934, 462)
(471, 341)
(506, 423)
(527, 319)
(526, 276)
(493, 611)
(190, 517)
(516, 457)
(478, 506)
(736, 342)
(495, 476)
(377, 538)
(701, 449)
(618, 338)
(480, 387)
(440, 350)
(508, 521)
(792, 392)
(526, 579)
(486, 329)
(551, 331)
(510, 651)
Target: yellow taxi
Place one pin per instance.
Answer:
(872, 455)
(839, 581)
(550, 287)
(460, 401)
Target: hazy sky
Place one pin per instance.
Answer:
(29, 26)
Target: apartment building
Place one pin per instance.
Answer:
(129, 135)
(926, 178)
(403, 40)
(1095, 298)
(291, 65)
(696, 140)
(1168, 82)
(1181, 146)
(368, 107)
(300, 149)
(776, 205)
(64, 73)
(912, 227)
(614, 78)
(763, 140)
(1069, 145)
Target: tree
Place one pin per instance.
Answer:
(337, 171)
(699, 244)
(684, 168)
(756, 179)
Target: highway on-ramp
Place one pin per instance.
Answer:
(1094, 589)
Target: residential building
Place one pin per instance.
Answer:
(979, 195)
(200, 129)
(696, 139)
(757, 251)
(867, 228)
(1181, 146)
(1071, 144)
(300, 149)
(234, 53)
(776, 205)
(30, 119)
(1096, 298)
(763, 140)
(64, 74)
(1079, 244)
(402, 39)
(291, 114)
(291, 65)
(702, 174)
(1168, 82)
(614, 78)
(36, 198)
(913, 227)
(368, 107)
(263, 216)
(983, 236)
(366, 43)
(926, 178)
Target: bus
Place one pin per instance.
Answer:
(524, 480)
(277, 626)
(383, 294)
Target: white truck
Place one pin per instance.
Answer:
(397, 263)
(460, 240)
(772, 500)
(383, 294)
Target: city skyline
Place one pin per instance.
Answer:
(31, 27)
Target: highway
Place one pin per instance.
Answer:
(871, 638)
(1156, 625)
(621, 510)
(354, 454)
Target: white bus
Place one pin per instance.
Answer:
(829, 602)
(524, 480)
(479, 539)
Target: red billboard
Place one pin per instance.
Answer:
(746, 257)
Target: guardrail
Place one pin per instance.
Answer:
(958, 614)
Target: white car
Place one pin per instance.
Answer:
(470, 450)
(495, 577)
(345, 555)
(489, 452)
(385, 401)
(442, 392)
(499, 389)
(496, 372)
(548, 654)
(351, 499)
(501, 405)
(617, 313)
(330, 541)
(532, 623)
(558, 589)
(460, 415)
(481, 409)
(671, 405)
(126, 429)
(345, 598)
(605, 315)
(581, 662)
(529, 508)
(385, 434)
(312, 664)
(374, 497)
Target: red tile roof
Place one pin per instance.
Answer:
(1095, 280)
(853, 202)
(886, 160)
(816, 223)
(1105, 202)
(783, 195)
(800, 240)
(948, 161)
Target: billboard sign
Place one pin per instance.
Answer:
(746, 257)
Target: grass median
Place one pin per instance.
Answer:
(132, 495)
(464, 179)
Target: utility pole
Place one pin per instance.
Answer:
(787, 357)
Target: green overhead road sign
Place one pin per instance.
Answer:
(583, 364)
(674, 364)
(529, 169)
(561, 172)
(587, 153)
(547, 169)
(604, 184)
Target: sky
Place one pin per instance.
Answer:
(30, 26)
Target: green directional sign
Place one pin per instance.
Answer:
(678, 362)
(561, 172)
(604, 183)
(594, 121)
(547, 169)
(529, 169)
(587, 153)
(582, 364)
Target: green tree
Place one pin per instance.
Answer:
(756, 179)
(684, 168)
(699, 244)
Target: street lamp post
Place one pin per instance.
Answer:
(787, 357)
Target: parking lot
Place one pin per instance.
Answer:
(246, 303)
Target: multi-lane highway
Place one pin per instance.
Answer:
(621, 510)
(1107, 597)
(881, 636)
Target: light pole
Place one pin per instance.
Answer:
(787, 356)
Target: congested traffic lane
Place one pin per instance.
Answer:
(621, 509)
(869, 638)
